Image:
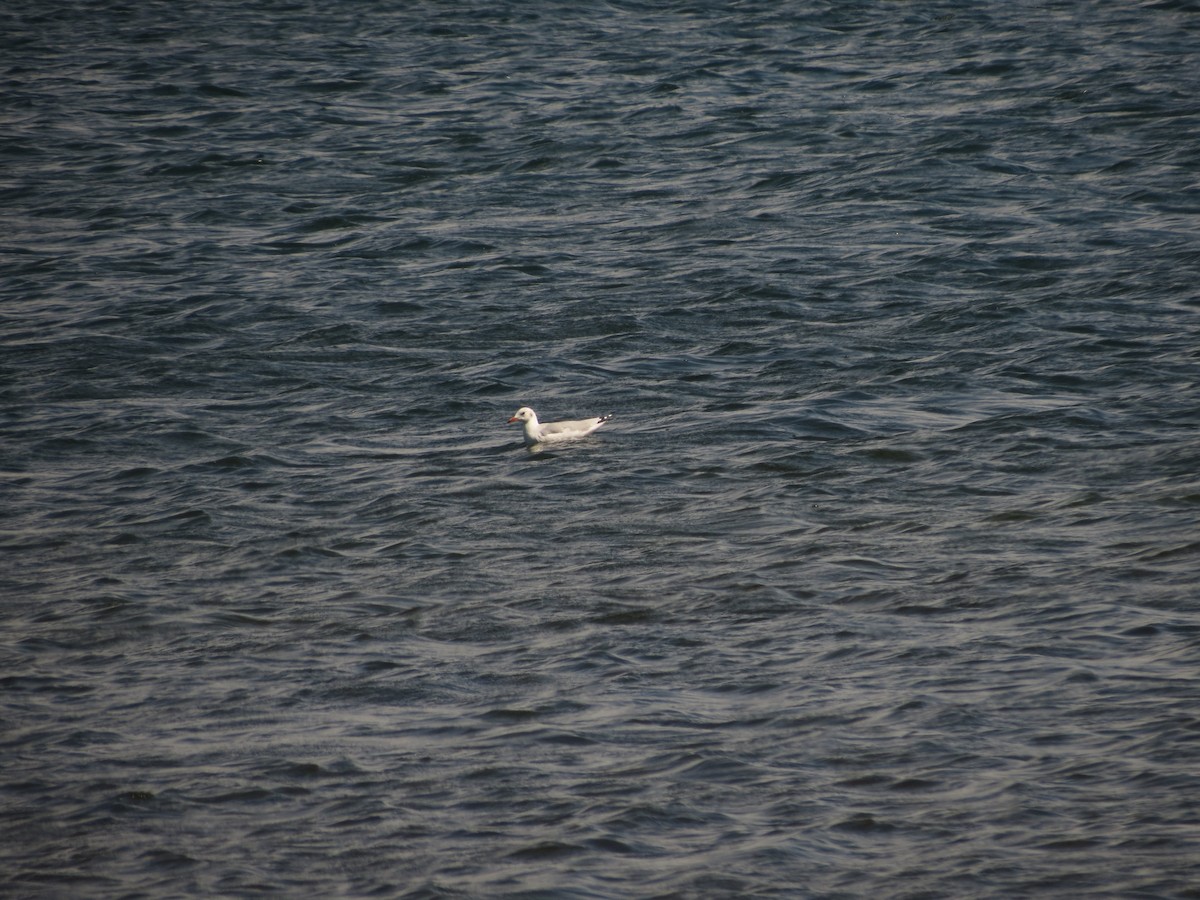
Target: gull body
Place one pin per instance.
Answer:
(549, 432)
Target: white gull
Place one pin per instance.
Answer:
(546, 432)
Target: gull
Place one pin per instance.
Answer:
(546, 432)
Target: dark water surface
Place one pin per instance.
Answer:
(882, 582)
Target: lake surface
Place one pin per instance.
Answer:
(882, 581)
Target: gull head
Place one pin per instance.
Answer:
(524, 414)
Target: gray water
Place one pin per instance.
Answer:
(881, 581)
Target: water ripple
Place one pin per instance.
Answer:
(881, 579)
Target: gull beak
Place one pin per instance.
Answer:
(513, 419)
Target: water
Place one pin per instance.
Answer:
(880, 582)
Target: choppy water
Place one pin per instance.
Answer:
(882, 582)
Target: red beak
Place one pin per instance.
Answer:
(513, 419)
